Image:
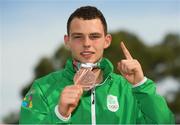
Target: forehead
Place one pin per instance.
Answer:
(79, 25)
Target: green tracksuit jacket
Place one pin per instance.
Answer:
(114, 101)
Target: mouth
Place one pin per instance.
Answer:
(87, 54)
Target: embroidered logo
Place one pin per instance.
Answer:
(112, 103)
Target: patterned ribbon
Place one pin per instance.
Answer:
(77, 65)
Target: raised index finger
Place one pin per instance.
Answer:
(126, 52)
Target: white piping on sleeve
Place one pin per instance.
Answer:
(140, 83)
(60, 116)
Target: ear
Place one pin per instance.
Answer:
(66, 41)
(108, 39)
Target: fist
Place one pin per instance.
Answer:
(69, 99)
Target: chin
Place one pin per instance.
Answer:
(89, 60)
(85, 60)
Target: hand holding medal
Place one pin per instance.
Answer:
(86, 78)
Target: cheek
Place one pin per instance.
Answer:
(75, 48)
(99, 45)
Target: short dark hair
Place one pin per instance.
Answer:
(87, 13)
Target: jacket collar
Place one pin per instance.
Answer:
(105, 65)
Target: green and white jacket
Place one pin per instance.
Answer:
(114, 101)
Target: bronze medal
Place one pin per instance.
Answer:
(86, 78)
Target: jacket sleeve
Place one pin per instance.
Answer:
(151, 107)
(35, 108)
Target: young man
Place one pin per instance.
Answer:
(87, 91)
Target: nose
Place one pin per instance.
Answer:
(87, 42)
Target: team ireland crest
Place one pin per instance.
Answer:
(112, 103)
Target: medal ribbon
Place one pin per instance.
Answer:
(77, 65)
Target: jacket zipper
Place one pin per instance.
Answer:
(93, 102)
(93, 111)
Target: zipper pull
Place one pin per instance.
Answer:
(93, 97)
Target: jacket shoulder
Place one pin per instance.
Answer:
(51, 77)
(120, 81)
(49, 82)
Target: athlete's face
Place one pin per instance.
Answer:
(87, 40)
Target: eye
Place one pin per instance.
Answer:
(95, 36)
(77, 37)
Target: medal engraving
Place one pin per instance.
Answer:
(86, 78)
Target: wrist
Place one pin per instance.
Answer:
(62, 111)
(61, 116)
(140, 83)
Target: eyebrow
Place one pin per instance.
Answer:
(92, 34)
(73, 34)
(95, 33)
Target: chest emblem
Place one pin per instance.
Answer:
(112, 103)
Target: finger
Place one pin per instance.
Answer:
(76, 89)
(120, 69)
(80, 74)
(80, 89)
(70, 95)
(71, 101)
(126, 52)
(124, 70)
(129, 65)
